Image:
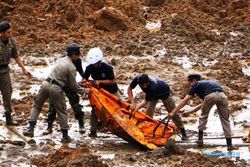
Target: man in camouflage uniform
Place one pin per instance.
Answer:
(8, 50)
(74, 100)
(62, 75)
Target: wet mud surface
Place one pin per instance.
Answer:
(181, 37)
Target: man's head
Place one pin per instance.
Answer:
(143, 81)
(193, 78)
(5, 30)
(95, 57)
(73, 51)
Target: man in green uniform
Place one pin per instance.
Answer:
(8, 50)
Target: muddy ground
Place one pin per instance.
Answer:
(165, 38)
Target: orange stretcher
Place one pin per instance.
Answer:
(134, 127)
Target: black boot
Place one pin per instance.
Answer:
(9, 120)
(81, 126)
(93, 134)
(183, 133)
(30, 131)
(49, 129)
(65, 136)
(200, 139)
(230, 146)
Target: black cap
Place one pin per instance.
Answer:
(191, 77)
(73, 49)
(4, 26)
(143, 79)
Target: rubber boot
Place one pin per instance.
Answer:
(230, 147)
(9, 120)
(81, 126)
(65, 136)
(30, 131)
(93, 134)
(49, 129)
(200, 139)
(183, 133)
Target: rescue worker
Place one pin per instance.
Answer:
(74, 100)
(212, 94)
(62, 75)
(103, 76)
(8, 50)
(155, 90)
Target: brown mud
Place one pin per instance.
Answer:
(201, 30)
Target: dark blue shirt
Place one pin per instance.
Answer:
(78, 65)
(104, 72)
(205, 87)
(157, 89)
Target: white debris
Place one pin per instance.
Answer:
(153, 26)
(184, 61)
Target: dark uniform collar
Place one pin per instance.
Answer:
(5, 42)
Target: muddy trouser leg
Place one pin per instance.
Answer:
(57, 95)
(74, 100)
(6, 90)
(170, 105)
(151, 108)
(207, 104)
(51, 113)
(41, 97)
(222, 105)
(93, 121)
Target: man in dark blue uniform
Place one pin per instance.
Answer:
(155, 90)
(74, 100)
(103, 76)
(212, 94)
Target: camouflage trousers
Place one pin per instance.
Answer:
(6, 91)
(57, 95)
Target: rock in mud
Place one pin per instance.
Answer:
(111, 19)
(172, 149)
(71, 14)
(154, 2)
(238, 4)
(5, 9)
(1, 148)
(246, 125)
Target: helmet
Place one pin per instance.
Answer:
(73, 49)
(94, 55)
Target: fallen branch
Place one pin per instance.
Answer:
(13, 130)
(14, 142)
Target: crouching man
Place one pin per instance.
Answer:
(63, 75)
(155, 89)
(212, 94)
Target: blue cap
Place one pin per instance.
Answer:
(73, 49)
(4, 26)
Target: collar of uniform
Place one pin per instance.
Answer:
(2, 43)
(68, 59)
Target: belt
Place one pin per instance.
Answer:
(52, 81)
(215, 91)
(218, 91)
